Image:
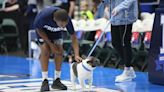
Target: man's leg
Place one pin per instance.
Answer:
(58, 61)
(58, 57)
(44, 58)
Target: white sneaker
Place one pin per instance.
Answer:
(127, 75)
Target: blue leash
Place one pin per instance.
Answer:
(99, 38)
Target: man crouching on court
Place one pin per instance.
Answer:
(49, 25)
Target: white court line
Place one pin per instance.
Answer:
(33, 85)
(23, 80)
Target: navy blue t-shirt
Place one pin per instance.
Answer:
(44, 21)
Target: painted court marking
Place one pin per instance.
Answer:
(33, 85)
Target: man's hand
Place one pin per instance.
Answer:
(78, 58)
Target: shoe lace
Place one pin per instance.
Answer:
(59, 83)
(45, 83)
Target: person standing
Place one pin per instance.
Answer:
(49, 25)
(123, 13)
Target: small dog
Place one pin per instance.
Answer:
(83, 71)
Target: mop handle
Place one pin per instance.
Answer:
(99, 38)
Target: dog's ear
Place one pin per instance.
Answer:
(93, 61)
(90, 59)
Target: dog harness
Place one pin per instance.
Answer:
(85, 68)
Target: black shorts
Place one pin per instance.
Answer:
(55, 37)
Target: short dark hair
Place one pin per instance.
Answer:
(61, 15)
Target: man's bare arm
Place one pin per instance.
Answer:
(75, 46)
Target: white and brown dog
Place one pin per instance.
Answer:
(83, 71)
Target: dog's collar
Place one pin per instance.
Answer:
(86, 68)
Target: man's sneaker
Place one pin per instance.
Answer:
(45, 86)
(127, 75)
(58, 85)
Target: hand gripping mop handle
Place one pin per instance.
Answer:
(108, 23)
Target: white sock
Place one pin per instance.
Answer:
(57, 74)
(44, 75)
